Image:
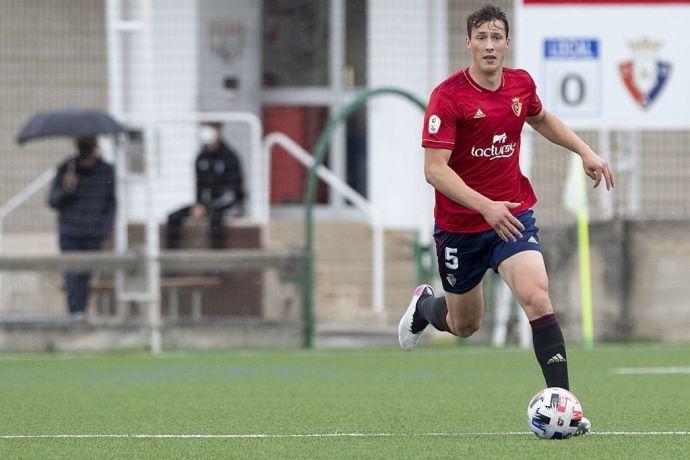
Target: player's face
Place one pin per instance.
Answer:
(489, 45)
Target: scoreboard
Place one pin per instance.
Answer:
(613, 63)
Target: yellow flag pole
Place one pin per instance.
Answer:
(585, 270)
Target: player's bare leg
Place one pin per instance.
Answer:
(465, 311)
(526, 276)
(459, 314)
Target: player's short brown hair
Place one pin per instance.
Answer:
(486, 13)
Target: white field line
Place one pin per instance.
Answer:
(318, 353)
(651, 370)
(320, 435)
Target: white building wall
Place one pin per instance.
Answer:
(190, 63)
(229, 49)
(173, 90)
(407, 49)
(229, 70)
(407, 45)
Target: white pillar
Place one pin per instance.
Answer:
(152, 236)
(405, 50)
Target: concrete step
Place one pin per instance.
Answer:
(294, 230)
(344, 269)
(355, 334)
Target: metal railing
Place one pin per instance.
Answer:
(341, 187)
(20, 198)
(288, 263)
(258, 170)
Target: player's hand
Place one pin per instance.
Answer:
(497, 214)
(198, 212)
(596, 168)
(70, 181)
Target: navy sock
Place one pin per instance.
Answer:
(434, 310)
(549, 347)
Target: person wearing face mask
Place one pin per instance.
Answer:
(83, 194)
(219, 187)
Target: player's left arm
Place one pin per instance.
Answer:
(552, 128)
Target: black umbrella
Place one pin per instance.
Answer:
(70, 123)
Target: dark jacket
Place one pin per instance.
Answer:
(219, 181)
(89, 211)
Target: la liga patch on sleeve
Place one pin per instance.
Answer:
(434, 124)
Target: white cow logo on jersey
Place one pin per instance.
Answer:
(500, 148)
(434, 124)
(500, 138)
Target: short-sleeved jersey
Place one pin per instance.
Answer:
(482, 129)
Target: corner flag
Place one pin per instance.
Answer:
(575, 201)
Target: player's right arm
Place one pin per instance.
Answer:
(445, 180)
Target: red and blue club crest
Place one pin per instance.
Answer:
(645, 75)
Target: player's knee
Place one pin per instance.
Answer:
(466, 329)
(538, 303)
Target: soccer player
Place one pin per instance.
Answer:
(483, 212)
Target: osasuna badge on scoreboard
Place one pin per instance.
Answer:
(434, 124)
(645, 75)
(517, 106)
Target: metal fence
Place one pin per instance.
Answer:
(93, 54)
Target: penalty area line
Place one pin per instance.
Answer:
(320, 435)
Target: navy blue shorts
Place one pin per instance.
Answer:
(463, 258)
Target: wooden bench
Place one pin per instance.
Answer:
(105, 287)
(241, 283)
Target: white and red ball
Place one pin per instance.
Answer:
(554, 413)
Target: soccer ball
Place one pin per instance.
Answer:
(554, 413)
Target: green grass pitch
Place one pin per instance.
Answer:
(433, 402)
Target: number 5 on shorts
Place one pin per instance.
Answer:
(451, 258)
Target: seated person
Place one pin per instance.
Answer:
(219, 187)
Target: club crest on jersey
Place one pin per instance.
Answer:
(451, 279)
(434, 124)
(517, 106)
(645, 75)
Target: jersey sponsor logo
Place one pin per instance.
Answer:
(500, 148)
(434, 124)
(517, 106)
(500, 138)
(479, 114)
(645, 75)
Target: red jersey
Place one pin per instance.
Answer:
(482, 128)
